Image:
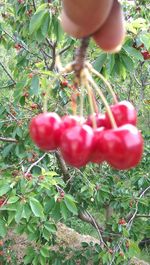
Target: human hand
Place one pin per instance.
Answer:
(101, 19)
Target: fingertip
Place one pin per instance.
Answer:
(110, 36)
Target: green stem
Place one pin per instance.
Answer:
(105, 82)
(112, 120)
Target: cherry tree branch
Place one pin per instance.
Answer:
(9, 140)
(129, 225)
(34, 164)
(130, 222)
(6, 71)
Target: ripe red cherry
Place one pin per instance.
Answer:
(146, 55)
(64, 83)
(100, 120)
(124, 113)
(123, 147)
(71, 121)
(97, 155)
(76, 145)
(45, 130)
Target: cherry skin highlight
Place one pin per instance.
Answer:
(45, 131)
(76, 145)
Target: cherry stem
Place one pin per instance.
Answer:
(94, 102)
(105, 82)
(85, 82)
(81, 101)
(111, 117)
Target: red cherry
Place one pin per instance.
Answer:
(124, 113)
(97, 155)
(123, 146)
(2, 202)
(122, 222)
(30, 75)
(45, 131)
(100, 120)
(34, 106)
(64, 83)
(146, 55)
(71, 121)
(76, 145)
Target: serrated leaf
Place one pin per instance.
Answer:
(44, 252)
(70, 204)
(3, 230)
(7, 150)
(145, 38)
(64, 210)
(98, 63)
(36, 21)
(4, 189)
(42, 260)
(133, 52)
(34, 89)
(127, 61)
(36, 207)
(12, 199)
(50, 227)
(19, 212)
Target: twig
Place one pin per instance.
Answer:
(65, 49)
(86, 217)
(8, 85)
(130, 222)
(9, 140)
(129, 225)
(142, 216)
(63, 166)
(138, 82)
(34, 164)
(34, 6)
(6, 71)
(102, 243)
(26, 49)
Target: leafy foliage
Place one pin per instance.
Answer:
(36, 192)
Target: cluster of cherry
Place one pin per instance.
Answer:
(80, 143)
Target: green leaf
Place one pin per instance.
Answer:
(12, 199)
(145, 38)
(50, 227)
(11, 217)
(45, 24)
(111, 63)
(36, 260)
(64, 210)
(128, 62)
(3, 230)
(46, 234)
(34, 89)
(26, 212)
(36, 208)
(42, 260)
(133, 52)
(44, 251)
(70, 203)
(7, 150)
(4, 189)
(98, 63)
(36, 21)
(18, 215)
